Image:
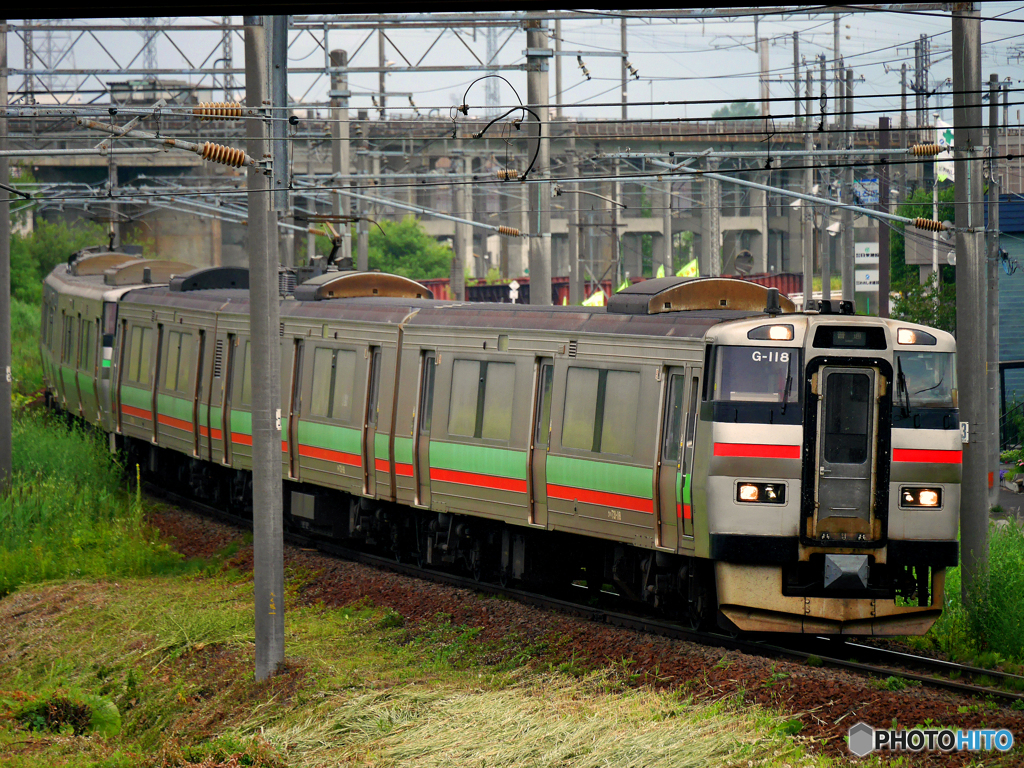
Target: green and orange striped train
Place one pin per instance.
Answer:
(697, 444)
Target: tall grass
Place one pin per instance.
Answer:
(26, 365)
(995, 626)
(68, 514)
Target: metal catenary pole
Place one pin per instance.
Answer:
(847, 256)
(279, 147)
(5, 283)
(264, 316)
(971, 300)
(340, 145)
(824, 244)
(993, 288)
(883, 229)
(806, 211)
(540, 195)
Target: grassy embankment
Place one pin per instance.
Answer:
(125, 656)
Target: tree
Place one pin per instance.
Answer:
(738, 109)
(403, 248)
(919, 303)
(34, 255)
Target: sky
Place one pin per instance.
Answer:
(678, 61)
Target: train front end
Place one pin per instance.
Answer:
(829, 473)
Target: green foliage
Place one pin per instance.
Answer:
(922, 303)
(996, 625)
(67, 515)
(919, 303)
(26, 366)
(34, 255)
(737, 109)
(403, 248)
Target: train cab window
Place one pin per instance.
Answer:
(600, 410)
(925, 392)
(179, 361)
(481, 399)
(759, 385)
(140, 344)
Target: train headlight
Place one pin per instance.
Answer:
(771, 333)
(749, 492)
(911, 336)
(761, 493)
(921, 497)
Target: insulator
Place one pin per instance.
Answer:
(510, 231)
(929, 225)
(926, 150)
(218, 110)
(218, 153)
(507, 173)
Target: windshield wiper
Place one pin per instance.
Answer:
(901, 386)
(785, 395)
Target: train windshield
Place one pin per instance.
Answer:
(757, 375)
(925, 393)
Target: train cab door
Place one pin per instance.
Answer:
(539, 441)
(421, 445)
(670, 456)
(370, 423)
(845, 457)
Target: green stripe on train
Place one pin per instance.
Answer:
(175, 407)
(600, 476)
(331, 437)
(241, 422)
(380, 446)
(136, 397)
(479, 459)
(403, 450)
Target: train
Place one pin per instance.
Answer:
(697, 445)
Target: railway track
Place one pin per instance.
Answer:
(823, 651)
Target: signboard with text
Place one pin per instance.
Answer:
(865, 253)
(866, 281)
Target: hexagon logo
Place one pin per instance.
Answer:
(862, 739)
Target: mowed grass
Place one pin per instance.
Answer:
(174, 657)
(69, 513)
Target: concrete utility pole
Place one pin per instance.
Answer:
(971, 299)
(668, 252)
(797, 121)
(463, 261)
(381, 63)
(806, 209)
(115, 213)
(340, 147)
(5, 283)
(279, 129)
(883, 227)
(573, 228)
(264, 317)
(539, 194)
(762, 49)
(625, 73)
(847, 258)
(837, 72)
(617, 226)
(825, 191)
(993, 288)
(711, 224)
(362, 209)
(558, 68)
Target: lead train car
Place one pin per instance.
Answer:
(796, 472)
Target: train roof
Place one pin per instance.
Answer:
(452, 314)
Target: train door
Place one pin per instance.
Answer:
(684, 507)
(539, 441)
(847, 424)
(370, 423)
(421, 447)
(295, 411)
(673, 429)
(227, 384)
(82, 364)
(197, 394)
(154, 408)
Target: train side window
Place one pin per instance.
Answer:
(344, 384)
(374, 407)
(66, 348)
(618, 432)
(674, 420)
(84, 347)
(139, 355)
(320, 399)
(691, 424)
(178, 365)
(498, 385)
(427, 394)
(245, 396)
(465, 387)
(547, 378)
(600, 410)
(580, 408)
